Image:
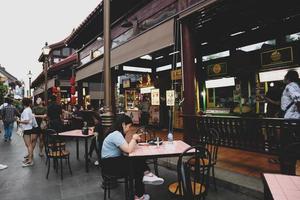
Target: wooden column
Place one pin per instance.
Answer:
(79, 92)
(189, 68)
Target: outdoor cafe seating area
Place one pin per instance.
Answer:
(195, 164)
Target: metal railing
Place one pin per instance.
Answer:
(264, 135)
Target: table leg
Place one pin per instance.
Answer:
(77, 148)
(131, 194)
(86, 155)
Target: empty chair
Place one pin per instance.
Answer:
(211, 141)
(55, 150)
(288, 158)
(192, 178)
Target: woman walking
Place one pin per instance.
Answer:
(27, 123)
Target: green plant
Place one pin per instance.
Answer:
(3, 92)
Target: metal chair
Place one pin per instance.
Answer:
(55, 150)
(211, 141)
(192, 178)
(288, 158)
(110, 181)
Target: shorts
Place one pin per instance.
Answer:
(37, 131)
(28, 132)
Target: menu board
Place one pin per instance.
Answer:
(170, 95)
(155, 97)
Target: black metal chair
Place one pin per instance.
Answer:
(55, 150)
(148, 135)
(110, 181)
(288, 158)
(192, 178)
(211, 141)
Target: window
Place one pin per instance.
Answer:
(56, 52)
(66, 51)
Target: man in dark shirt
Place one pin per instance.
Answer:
(54, 114)
(272, 98)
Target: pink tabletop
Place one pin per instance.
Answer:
(283, 187)
(76, 133)
(177, 147)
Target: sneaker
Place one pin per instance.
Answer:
(152, 179)
(27, 164)
(96, 163)
(26, 156)
(3, 166)
(144, 197)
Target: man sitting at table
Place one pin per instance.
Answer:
(113, 161)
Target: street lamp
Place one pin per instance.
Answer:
(46, 50)
(29, 87)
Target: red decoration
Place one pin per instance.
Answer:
(54, 90)
(72, 80)
(72, 90)
(73, 100)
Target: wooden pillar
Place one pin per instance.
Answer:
(79, 93)
(189, 68)
(114, 78)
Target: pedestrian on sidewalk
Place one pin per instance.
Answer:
(28, 123)
(40, 113)
(9, 114)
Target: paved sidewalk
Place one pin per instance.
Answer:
(18, 183)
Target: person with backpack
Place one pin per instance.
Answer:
(9, 114)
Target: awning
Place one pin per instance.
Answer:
(155, 39)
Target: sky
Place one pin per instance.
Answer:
(25, 26)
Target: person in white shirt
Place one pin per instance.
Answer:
(26, 122)
(290, 97)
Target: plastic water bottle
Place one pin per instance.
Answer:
(170, 138)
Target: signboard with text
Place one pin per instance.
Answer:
(170, 95)
(155, 97)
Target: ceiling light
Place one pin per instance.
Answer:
(204, 43)
(174, 52)
(146, 57)
(254, 28)
(237, 33)
(159, 57)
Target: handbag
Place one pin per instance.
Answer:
(34, 122)
(20, 131)
(43, 125)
